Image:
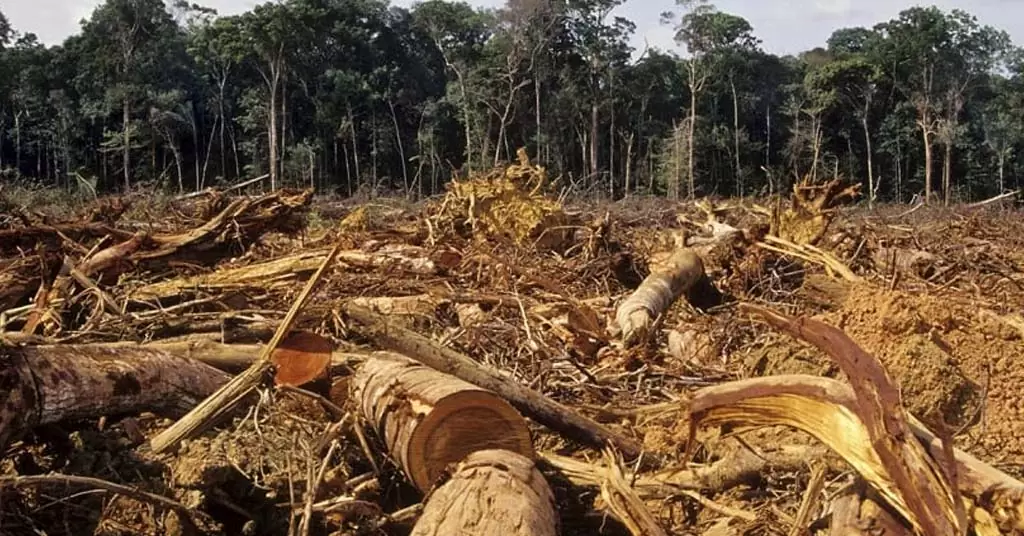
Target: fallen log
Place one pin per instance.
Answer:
(49, 384)
(491, 492)
(531, 403)
(658, 291)
(280, 271)
(430, 420)
(284, 272)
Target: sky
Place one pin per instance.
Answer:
(784, 26)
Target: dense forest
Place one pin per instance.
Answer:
(357, 96)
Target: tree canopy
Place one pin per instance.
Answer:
(360, 95)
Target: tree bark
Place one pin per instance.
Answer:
(926, 135)
(50, 384)
(871, 172)
(691, 177)
(736, 135)
(401, 149)
(430, 420)
(17, 142)
(658, 291)
(491, 492)
(947, 170)
(595, 117)
(126, 155)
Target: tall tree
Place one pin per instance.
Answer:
(134, 44)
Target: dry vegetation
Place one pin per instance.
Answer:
(495, 362)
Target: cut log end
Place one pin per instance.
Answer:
(463, 423)
(491, 492)
(430, 420)
(301, 358)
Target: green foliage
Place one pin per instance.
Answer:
(360, 95)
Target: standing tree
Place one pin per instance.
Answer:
(134, 44)
(714, 40)
(934, 59)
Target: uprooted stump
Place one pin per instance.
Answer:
(491, 492)
(430, 420)
(49, 384)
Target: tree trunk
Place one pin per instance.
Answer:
(611, 134)
(691, 176)
(736, 135)
(594, 123)
(355, 145)
(401, 149)
(629, 162)
(195, 144)
(177, 164)
(537, 118)
(677, 159)
(1002, 171)
(430, 420)
(17, 143)
(491, 492)
(927, 166)
(209, 151)
(223, 119)
(234, 151)
(768, 136)
(947, 170)
(871, 172)
(50, 384)
(126, 118)
(535, 405)
(273, 82)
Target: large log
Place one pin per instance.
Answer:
(659, 290)
(49, 384)
(491, 492)
(430, 420)
(532, 403)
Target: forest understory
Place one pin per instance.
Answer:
(496, 361)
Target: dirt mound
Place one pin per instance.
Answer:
(955, 363)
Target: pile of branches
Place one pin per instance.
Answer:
(457, 375)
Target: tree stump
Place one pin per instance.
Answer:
(491, 492)
(430, 420)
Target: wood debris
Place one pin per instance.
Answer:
(233, 367)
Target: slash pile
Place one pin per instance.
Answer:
(495, 362)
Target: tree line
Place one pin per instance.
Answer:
(357, 95)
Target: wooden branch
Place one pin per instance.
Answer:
(533, 404)
(49, 384)
(231, 393)
(491, 492)
(430, 420)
